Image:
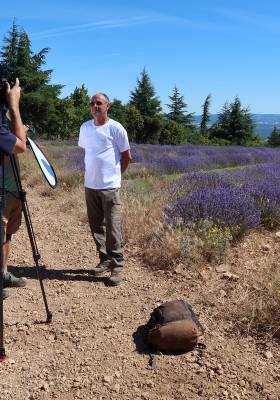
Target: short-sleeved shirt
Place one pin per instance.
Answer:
(7, 143)
(103, 146)
(7, 140)
(9, 177)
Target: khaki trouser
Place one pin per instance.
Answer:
(11, 218)
(104, 215)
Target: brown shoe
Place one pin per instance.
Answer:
(103, 266)
(115, 278)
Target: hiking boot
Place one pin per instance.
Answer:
(10, 280)
(5, 294)
(103, 266)
(115, 278)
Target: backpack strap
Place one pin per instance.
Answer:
(200, 347)
(153, 360)
(152, 352)
(194, 317)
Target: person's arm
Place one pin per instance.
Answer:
(125, 158)
(17, 127)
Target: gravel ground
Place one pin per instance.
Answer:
(93, 350)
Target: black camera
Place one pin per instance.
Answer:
(5, 77)
(3, 80)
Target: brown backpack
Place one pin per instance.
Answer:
(173, 328)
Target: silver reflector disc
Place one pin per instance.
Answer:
(44, 164)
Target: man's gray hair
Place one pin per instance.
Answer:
(106, 97)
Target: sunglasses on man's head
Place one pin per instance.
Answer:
(97, 103)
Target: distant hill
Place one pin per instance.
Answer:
(264, 122)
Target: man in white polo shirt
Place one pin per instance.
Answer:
(107, 155)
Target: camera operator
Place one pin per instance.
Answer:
(11, 142)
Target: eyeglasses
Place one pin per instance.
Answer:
(97, 103)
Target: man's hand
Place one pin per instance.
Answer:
(13, 96)
(17, 127)
(125, 158)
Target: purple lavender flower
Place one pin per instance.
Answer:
(75, 160)
(266, 195)
(230, 207)
(199, 180)
(190, 158)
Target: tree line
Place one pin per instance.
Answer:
(53, 117)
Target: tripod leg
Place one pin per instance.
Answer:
(36, 255)
(2, 348)
(2, 202)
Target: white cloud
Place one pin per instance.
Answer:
(92, 26)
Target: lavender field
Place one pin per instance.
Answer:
(244, 199)
(191, 158)
(233, 188)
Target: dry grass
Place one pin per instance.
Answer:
(74, 200)
(168, 248)
(29, 169)
(163, 250)
(159, 246)
(247, 297)
(137, 170)
(257, 299)
(142, 213)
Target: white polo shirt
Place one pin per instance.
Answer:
(103, 145)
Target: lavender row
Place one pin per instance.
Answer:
(189, 158)
(183, 159)
(240, 200)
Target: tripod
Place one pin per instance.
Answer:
(2, 204)
(36, 255)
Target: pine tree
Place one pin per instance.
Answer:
(81, 100)
(66, 125)
(9, 49)
(219, 131)
(143, 97)
(235, 124)
(173, 133)
(73, 110)
(205, 115)
(241, 127)
(224, 115)
(39, 99)
(274, 138)
(177, 108)
(134, 123)
(24, 53)
(117, 111)
(129, 117)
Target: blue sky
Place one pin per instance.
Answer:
(226, 48)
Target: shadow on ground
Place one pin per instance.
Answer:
(57, 274)
(140, 340)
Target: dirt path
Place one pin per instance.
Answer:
(88, 352)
